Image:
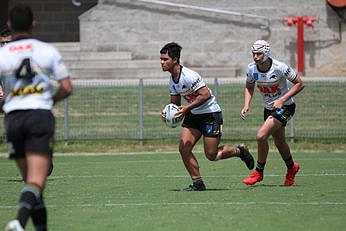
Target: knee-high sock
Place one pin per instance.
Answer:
(27, 202)
(39, 215)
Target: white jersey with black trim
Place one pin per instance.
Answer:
(187, 86)
(26, 68)
(273, 83)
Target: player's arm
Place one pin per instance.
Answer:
(176, 99)
(1, 93)
(201, 96)
(298, 85)
(65, 89)
(248, 93)
(1, 98)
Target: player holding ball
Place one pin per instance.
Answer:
(202, 117)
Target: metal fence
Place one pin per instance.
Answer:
(130, 110)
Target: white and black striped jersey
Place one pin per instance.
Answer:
(26, 68)
(273, 83)
(187, 86)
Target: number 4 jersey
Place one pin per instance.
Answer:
(26, 68)
(273, 83)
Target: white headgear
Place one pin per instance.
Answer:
(261, 46)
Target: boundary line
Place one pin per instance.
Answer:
(176, 176)
(156, 204)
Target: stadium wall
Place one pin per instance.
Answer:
(217, 38)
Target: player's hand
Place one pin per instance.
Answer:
(182, 111)
(277, 104)
(243, 113)
(163, 116)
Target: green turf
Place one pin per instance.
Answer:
(141, 192)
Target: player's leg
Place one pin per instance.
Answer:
(38, 166)
(16, 143)
(279, 138)
(188, 139)
(212, 131)
(211, 128)
(39, 131)
(51, 165)
(21, 164)
(30, 198)
(241, 151)
(285, 152)
(269, 126)
(210, 145)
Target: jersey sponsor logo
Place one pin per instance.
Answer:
(21, 47)
(27, 90)
(270, 89)
(283, 114)
(196, 83)
(212, 128)
(190, 97)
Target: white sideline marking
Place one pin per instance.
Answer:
(199, 152)
(106, 153)
(179, 176)
(154, 204)
(185, 176)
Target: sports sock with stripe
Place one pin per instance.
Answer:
(260, 166)
(39, 215)
(28, 200)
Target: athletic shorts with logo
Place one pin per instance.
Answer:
(283, 114)
(209, 124)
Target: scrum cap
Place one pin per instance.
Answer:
(261, 46)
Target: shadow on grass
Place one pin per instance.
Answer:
(272, 186)
(20, 180)
(208, 189)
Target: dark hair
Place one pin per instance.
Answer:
(21, 18)
(172, 49)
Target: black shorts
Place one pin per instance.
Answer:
(283, 114)
(29, 131)
(210, 124)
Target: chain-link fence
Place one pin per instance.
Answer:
(130, 110)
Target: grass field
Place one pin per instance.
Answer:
(140, 191)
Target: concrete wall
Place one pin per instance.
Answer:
(218, 39)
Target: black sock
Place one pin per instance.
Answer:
(39, 215)
(197, 180)
(289, 162)
(27, 202)
(260, 166)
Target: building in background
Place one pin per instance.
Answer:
(57, 20)
(216, 35)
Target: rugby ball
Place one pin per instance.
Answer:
(168, 114)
